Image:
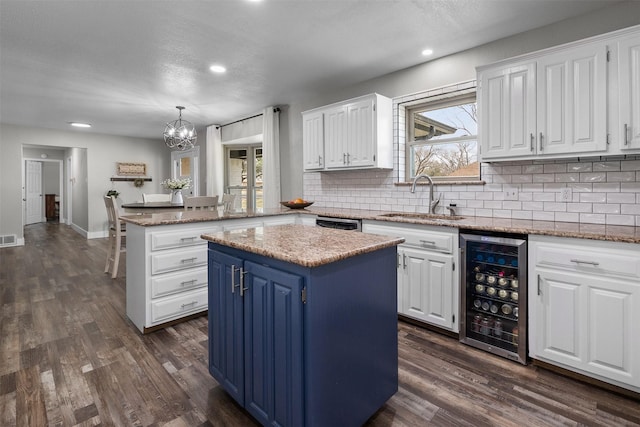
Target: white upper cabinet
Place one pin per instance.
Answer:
(313, 131)
(356, 134)
(572, 101)
(629, 93)
(549, 105)
(508, 111)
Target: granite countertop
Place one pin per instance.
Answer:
(616, 233)
(304, 245)
(185, 217)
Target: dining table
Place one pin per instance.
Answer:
(151, 207)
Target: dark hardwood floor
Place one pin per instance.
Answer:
(69, 356)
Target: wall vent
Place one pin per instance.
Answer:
(8, 240)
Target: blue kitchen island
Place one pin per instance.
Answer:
(303, 322)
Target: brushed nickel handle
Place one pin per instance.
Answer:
(189, 304)
(192, 238)
(541, 141)
(428, 242)
(233, 278)
(319, 160)
(184, 260)
(344, 158)
(533, 140)
(242, 288)
(404, 261)
(189, 282)
(626, 134)
(579, 261)
(539, 290)
(348, 158)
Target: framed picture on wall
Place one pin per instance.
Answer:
(131, 169)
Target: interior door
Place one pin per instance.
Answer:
(33, 192)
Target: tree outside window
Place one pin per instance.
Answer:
(442, 140)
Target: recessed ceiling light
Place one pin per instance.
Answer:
(427, 52)
(80, 125)
(218, 69)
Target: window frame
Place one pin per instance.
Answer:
(449, 99)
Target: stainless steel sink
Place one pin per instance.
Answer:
(425, 216)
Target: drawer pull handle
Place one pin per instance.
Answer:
(578, 261)
(191, 239)
(189, 282)
(184, 260)
(189, 304)
(428, 242)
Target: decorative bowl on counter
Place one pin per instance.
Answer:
(293, 205)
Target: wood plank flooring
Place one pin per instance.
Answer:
(69, 356)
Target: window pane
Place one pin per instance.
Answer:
(445, 123)
(442, 139)
(453, 160)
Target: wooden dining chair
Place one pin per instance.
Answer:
(117, 231)
(162, 197)
(200, 202)
(228, 200)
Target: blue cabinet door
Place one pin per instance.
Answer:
(273, 321)
(226, 344)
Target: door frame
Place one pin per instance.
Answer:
(194, 154)
(24, 184)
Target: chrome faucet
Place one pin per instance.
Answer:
(432, 203)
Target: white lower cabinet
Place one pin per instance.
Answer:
(428, 285)
(585, 307)
(167, 267)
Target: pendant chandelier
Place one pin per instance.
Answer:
(180, 134)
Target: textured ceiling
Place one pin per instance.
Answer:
(124, 65)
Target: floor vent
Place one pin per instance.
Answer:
(8, 240)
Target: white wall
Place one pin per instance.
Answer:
(102, 154)
(445, 71)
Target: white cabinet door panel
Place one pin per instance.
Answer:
(629, 76)
(572, 101)
(508, 112)
(360, 129)
(313, 141)
(612, 332)
(561, 332)
(335, 137)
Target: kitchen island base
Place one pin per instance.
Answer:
(301, 346)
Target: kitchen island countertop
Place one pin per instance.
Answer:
(304, 245)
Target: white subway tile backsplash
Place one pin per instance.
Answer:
(593, 218)
(621, 176)
(600, 208)
(593, 177)
(606, 166)
(620, 219)
(593, 197)
(604, 191)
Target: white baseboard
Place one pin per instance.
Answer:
(79, 230)
(97, 234)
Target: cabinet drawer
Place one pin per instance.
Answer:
(178, 259)
(176, 239)
(416, 237)
(179, 306)
(178, 282)
(601, 261)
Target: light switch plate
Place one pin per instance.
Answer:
(511, 194)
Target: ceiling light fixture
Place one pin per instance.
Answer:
(80, 125)
(180, 134)
(218, 69)
(427, 52)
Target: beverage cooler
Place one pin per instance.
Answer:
(494, 294)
